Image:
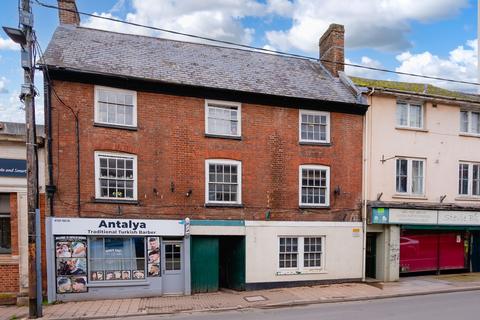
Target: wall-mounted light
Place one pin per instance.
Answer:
(337, 191)
(188, 193)
(172, 186)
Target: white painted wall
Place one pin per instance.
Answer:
(441, 144)
(343, 249)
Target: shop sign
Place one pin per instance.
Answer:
(119, 227)
(466, 218)
(409, 216)
(13, 168)
(425, 217)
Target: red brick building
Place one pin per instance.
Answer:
(212, 150)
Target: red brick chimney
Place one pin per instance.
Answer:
(332, 45)
(67, 12)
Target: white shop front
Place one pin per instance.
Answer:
(116, 258)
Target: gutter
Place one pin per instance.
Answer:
(430, 97)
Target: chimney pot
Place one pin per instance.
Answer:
(68, 12)
(332, 49)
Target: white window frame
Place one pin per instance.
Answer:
(327, 192)
(116, 90)
(469, 123)
(98, 193)
(410, 176)
(469, 181)
(315, 113)
(409, 104)
(221, 103)
(208, 162)
(300, 255)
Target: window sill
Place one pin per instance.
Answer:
(469, 135)
(219, 136)
(313, 207)
(300, 272)
(313, 143)
(114, 126)
(114, 201)
(467, 198)
(119, 283)
(411, 129)
(224, 205)
(7, 258)
(409, 196)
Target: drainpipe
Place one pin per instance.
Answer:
(365, 183)
(50, 187)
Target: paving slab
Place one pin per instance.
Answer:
(231, 300)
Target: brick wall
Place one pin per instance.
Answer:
(9, 278)
(171, 146)
(9, 272)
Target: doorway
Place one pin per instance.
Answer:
(371, 256)
(172, 267)
(217, 262)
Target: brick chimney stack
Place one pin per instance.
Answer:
(69, 14)
(332, 48)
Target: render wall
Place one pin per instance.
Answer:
(441, 144)
(342, 250)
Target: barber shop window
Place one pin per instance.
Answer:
(117, 258)
(5, 229)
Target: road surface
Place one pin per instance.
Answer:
(449, 306)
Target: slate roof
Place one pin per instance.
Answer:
(416, 88)
(187, 63)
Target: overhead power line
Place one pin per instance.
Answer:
(231, 43)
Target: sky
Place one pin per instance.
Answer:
(430, 37)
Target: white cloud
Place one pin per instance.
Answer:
(365, 73)
(461, 64)
(210, 18)
(280, 7)
(381, 25)
(8, 44)
(3, 85)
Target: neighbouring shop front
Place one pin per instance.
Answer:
(116, 258)
(417, 240)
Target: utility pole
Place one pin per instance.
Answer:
(28, 95)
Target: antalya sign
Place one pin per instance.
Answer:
(117, 227)
(13, 168)
(425, 217)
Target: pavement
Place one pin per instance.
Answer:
(233, 300)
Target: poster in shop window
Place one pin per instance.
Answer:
(71, 264)
(153, 251)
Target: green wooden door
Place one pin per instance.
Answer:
(204, 262)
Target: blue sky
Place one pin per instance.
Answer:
(431, 37)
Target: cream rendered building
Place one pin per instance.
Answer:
(13, 210)
(421, 179)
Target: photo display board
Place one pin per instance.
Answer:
(153, 252)
(71, 264)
